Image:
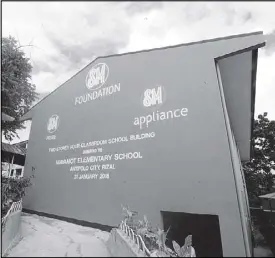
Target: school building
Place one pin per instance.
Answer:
(163, 131)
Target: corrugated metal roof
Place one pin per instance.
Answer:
(12, 149)
(268, 196)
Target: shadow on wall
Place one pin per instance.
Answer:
(205, 231)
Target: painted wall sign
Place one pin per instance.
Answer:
(101, 161)
(95, 81)
(53, 123)
(52, 126)
(154, 97)
(97, 76)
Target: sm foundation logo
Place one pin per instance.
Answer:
(97, 76)
(96, 82)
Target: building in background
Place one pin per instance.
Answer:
(163, 131)
(268, 202)
(13, 159)
(23, 144)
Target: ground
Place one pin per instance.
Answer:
(41, 236)
(261, 250)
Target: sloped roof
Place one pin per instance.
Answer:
(28, 114)
(13, 149)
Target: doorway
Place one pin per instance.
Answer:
(205, 231)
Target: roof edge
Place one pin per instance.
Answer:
(254, 49)
(240, 51)
(141, 51)
(253, 96)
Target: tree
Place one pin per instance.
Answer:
(18, 93)
(258, 176)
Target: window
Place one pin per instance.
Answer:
(18, 172)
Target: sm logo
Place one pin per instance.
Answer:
(153, 97)
(97, 76)
(53, 123)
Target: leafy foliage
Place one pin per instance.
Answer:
(154, 238)
(161, 237)
(186, 249)
(18, 93)
(148, 234)
(129, 217)
(13, 190)
(259, 179)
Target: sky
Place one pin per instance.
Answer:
(63, 37)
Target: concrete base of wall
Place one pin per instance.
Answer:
(71, 220)
(11, 233)
(121, 246)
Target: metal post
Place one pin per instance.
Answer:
(11, 164)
